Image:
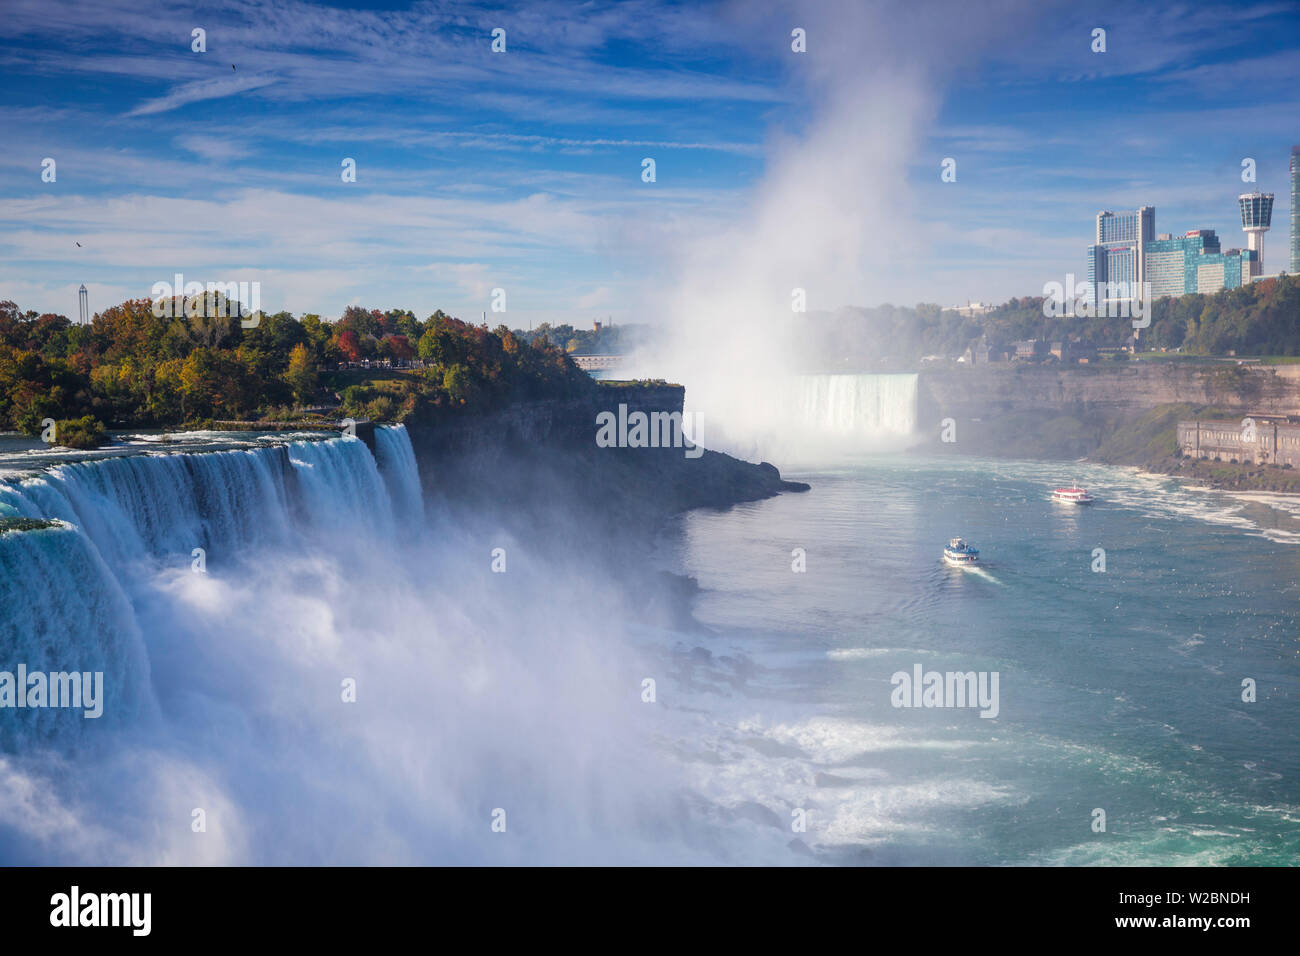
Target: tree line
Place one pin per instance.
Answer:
(1262, 318)
(129, 367)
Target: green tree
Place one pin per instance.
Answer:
(301, 376)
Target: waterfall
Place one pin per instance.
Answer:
(69, 591)
(868, 405)
(62, 609)
(340, 485)
(150, 505)
(397, 465)
(808, 419)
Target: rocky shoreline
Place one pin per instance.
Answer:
(1108, 434)
(1150, 443)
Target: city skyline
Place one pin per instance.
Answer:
(227, 164)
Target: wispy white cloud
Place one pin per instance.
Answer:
(217, 148)
(526, 165)
(200, 90)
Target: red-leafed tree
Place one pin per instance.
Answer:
(401, 347)
(349, 345)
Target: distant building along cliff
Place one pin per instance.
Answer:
(1261, 440)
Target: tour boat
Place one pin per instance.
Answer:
(959, 553)
(1073, 496)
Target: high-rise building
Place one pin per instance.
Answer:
(1128, 251)
(83, 306)
(1119, 253)
(1295, 210)
(1136, 226)
(1256, 217)
(1216, 271)
(1194, 262)
(1170, 265)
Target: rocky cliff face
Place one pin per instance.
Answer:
(1134, 387)
(541, 459)
(553, 422)
(1045, 412)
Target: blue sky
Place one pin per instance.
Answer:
(522, 170)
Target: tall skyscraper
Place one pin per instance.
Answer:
(1295, 210)
(1256, 216)
(1120, 252)
(83, 306)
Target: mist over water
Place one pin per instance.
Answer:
(474, 690)
(234, 598)
(832, 220)
(824, 418)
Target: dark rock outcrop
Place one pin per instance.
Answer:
(542, 458)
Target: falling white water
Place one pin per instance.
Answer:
(801, 420)
(66, 588)
(341, 485)
(397, 464)
(869, 406)
(142, 505)
(224, 688)
(64, 610)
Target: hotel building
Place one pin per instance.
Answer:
(1119, 253)
(1170, 262)
(1295, 210)
(1128, 250)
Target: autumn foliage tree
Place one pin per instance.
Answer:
(132, 367)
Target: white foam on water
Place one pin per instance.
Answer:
(873, 815)
(858, 653)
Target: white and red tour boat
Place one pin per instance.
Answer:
(1073, 496)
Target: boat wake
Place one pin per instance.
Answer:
(981, 572)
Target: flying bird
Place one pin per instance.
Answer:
(232, 66)
(78, 244)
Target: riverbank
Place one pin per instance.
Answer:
(1144, 440)
(530, 479)
(1151, 443)
(1122, 416)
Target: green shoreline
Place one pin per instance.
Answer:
(1150, 443)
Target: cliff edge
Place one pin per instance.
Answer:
(541, 458)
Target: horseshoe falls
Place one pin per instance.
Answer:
(813, 419)
(866, 405)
